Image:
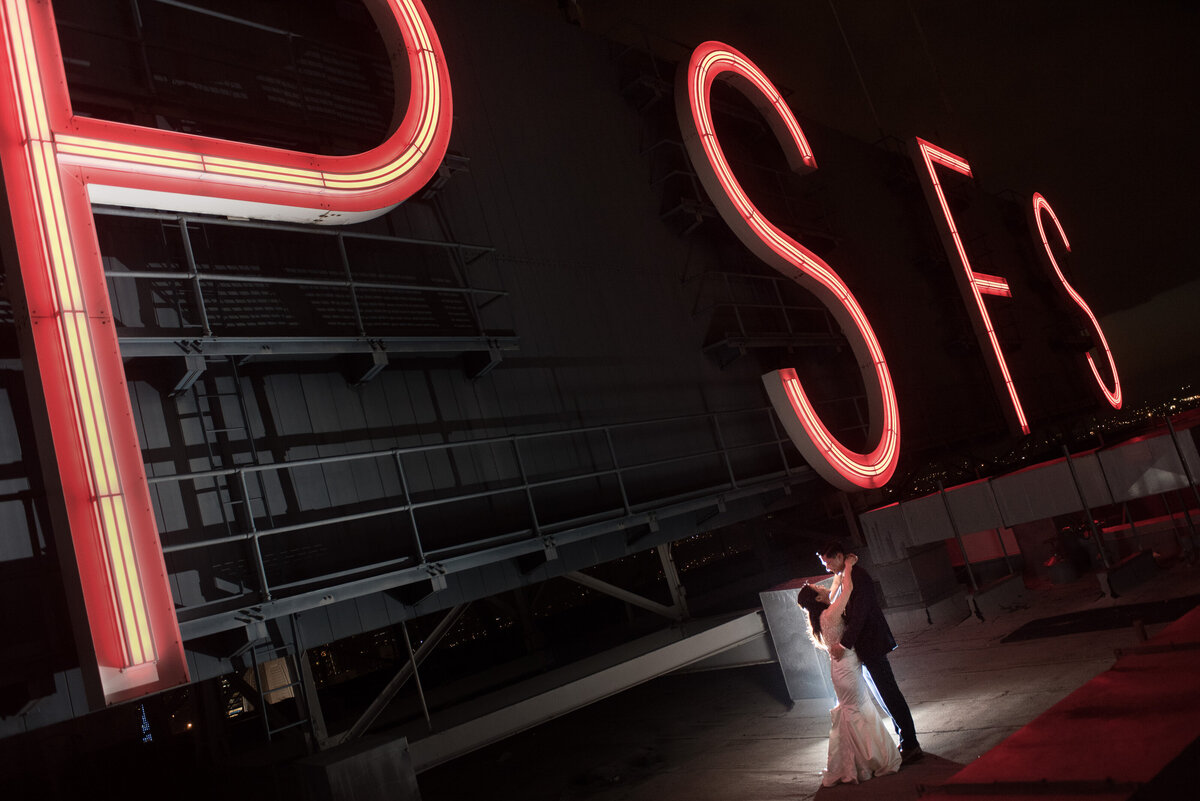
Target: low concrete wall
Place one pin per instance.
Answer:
(1129, 572)
(370, 769)
(914, 617)
(991, 598)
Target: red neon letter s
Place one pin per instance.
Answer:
(55, 164)
(836, 463)
(971, 284)
(1039, 207)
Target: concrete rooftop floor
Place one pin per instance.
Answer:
(733, 734)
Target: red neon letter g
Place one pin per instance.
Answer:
(836, 463)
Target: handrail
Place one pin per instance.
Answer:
(199, 275)
(235, 278)
(267, 225)
(620, 469)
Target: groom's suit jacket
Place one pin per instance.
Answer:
(866, 629)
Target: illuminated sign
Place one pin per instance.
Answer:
(1037, 210)
(838, 464)
(973, 285)
(824, 452)
(55, 165)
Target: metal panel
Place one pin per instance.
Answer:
(344, 620)
(1049, 489)
(314, 626)
(974, 507)
(1149, 466)
(927, 520)
(1146, 466)
(805, 667)
(372, 613)
(886, 531)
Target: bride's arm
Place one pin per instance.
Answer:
(847, 583)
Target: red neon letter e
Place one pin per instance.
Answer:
(971, 284)
(55, 165)
(836, 463)
(1041, 207)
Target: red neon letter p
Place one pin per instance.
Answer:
(55, 166)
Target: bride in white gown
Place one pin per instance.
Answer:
(861, 743)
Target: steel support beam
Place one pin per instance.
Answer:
(372, 712)
(559, 694)
(672, 612)
(678, 591)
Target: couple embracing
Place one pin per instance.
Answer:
(846, 621)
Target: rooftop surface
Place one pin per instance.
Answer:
(733, 734)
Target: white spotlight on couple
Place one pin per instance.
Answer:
(846, 621)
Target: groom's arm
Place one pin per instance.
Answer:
(860, 604)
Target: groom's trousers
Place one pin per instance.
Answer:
(893, 699)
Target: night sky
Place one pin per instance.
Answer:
(1093, 104)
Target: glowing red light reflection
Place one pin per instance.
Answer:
(834, 461)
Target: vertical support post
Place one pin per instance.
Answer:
(612, 453)
(1187, 471)
(252, 533)
(1087, 510)
(412, 513)
(678, 591)
(308, 689)
(1183, 544)
(358, 320)
(1007, 560)
(1128, 518)
(787, 320)
(716, 421)
(259, 678)
(958, 536)
(1125, 516)
(412, 660)
(194, 271)
(537, 529)
(737, 310)
(376, 707)
(787, 470)
(856, 535)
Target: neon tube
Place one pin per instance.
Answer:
(1040, 208)
(824, 452)
(54, 162)
(973, 285)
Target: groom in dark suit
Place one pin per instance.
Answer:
(868, 633)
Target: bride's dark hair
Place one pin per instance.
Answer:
(808, 599)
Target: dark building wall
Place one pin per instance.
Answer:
(603, 295)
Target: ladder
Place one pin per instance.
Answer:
(221, 410)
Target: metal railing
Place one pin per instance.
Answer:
(198, 276)
(740, 462)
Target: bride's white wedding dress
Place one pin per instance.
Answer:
(861, 742)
